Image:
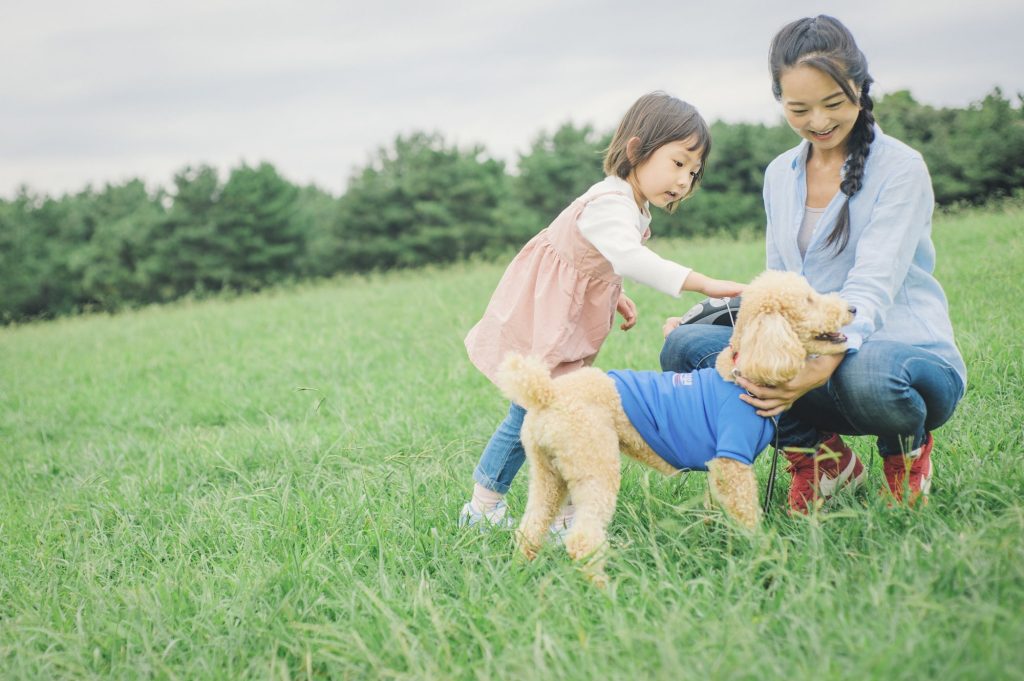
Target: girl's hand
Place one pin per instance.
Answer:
(627, 308)
(670, 325)
(713, 288)
(772, 401)
(722, 288)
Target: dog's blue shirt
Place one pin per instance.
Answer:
(689, 419)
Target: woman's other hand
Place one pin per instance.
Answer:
(670, 325)
(772, 401)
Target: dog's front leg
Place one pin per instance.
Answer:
(733, 487)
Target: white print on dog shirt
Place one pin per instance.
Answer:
(682, 379)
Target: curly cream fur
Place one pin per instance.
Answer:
(575, 426)
(778, 326)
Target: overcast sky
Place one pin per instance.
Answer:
(105, 90)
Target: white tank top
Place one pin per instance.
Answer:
(811, 218)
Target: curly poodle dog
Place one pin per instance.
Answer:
(577, 424)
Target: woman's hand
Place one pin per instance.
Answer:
(772, 401)
(670, 325)
(627, 308)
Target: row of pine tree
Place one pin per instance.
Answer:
(418, 201)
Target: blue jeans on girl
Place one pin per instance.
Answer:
(894, 391)
(504, 455)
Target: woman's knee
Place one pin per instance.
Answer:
(693, 346)
(896, 388)
(881, 401)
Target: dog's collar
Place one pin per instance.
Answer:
(735, 356)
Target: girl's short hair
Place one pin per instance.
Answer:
(657, 119)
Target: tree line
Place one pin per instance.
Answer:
(420, 200)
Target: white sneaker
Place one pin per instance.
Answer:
(499, 517)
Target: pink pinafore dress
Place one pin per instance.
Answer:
(556, 301)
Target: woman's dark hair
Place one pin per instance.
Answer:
(657, 119)
(823, 43)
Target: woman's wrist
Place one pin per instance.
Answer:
(822, 367)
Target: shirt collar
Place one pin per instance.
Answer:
(800, 160)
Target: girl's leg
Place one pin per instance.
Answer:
(693, 346)
(503, 456)
(501, 460)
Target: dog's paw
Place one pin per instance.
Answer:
(598, 578)
(528, 549)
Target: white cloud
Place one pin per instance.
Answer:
(102, 91)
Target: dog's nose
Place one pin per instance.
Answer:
(853, 310)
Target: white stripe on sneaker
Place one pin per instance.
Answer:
(827, 486)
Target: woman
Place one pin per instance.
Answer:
(849, 208)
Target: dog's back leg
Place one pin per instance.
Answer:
(546, 493)
(594, 477)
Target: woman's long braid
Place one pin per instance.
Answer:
(859, 146)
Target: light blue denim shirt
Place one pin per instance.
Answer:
(886, 269)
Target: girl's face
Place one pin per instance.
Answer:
(817, 108)
(668, 173)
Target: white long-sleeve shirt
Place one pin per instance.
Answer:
(615, 225)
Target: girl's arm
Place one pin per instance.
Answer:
(715, 288)
(611, 224)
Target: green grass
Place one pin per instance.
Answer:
(267, 487)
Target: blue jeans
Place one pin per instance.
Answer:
(504, 455)
(894, 391)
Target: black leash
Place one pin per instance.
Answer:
(773, 471)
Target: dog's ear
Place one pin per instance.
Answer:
(769, 352)
(725, 363)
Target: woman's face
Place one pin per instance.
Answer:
(817, 108)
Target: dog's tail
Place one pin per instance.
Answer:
(526, 381)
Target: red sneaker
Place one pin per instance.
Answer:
(910, 474)
(817, 477)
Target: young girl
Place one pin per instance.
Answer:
(558, 298)
(850, 208)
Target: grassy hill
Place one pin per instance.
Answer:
(267, 487)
